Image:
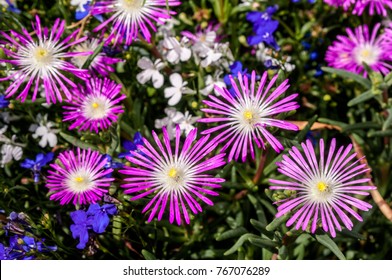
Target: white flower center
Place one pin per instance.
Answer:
(96, 107)
(79, 181)
(130, 6)
(366, 53)
(321, 190)
(42, 56)
(173, 176)
(247, 118)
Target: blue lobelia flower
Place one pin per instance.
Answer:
(3, 102)
(35, 165)
(84, 9)
(100, 216)
(264, 27)
(132, 146)
(110, 163)
(80, 228)
(12, 7)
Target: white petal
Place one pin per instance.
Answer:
(170, 91)
(145, 63)
(41, 131)
(144, 76)
(43, 142)
(185, 54)
(172, 57)
(175, 99)
(157, 79)
(176, 80)
(52, 139)
(17, 153)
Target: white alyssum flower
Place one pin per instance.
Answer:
(185, 121)
(10, 149)
(150, 72)
(178, 88)
(175, 51)
(45, 130)
(211, 82)
(168, 121)
(210, 56)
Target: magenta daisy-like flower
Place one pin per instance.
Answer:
(350, 52)
(131, 17)
(40, 61)
(101, 64)
(378, 6)
(325, 188)
(246, 115)
(95, 106)
(176, 178)
(79, 178)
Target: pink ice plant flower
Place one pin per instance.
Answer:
(96, 106)
(175, 178)
(129, 18)
(378, 6)
(350, 52)
(79, 178)
(39, 59)
(325, 188)
(246, 116)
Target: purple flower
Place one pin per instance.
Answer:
(176, 179)
(247, 115)
(95, 218)
(130, 146)
(95, 106)
(78, 178)
(101, 64)
(264, 27)
(110, 163)
(35, 165)
(100, 216)
(24, 248)
(80, 228)
(324, 188)
(3, 102)
(378, 6)
(131, 17)
(349, 53)
(41, 61)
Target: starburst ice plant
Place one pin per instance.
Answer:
(95, 106)
(175, 178)
(325, 189)
(129, 18)
(244, 117)
(78, 178)
(361, 46)
(39, 59)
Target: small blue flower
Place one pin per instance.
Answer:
(12, 7)
(83, 10)
(101, 216)
(35, 165)
(132, 146)
(264, 33)
(110, 163)
(3, 102)
(80, 228)
(264, 27)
